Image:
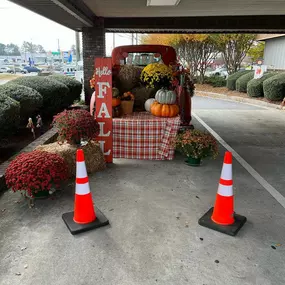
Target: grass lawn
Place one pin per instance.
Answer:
(5, 76)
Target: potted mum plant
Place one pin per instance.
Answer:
(75, 126)
(37, 174)
(195, 145)
(127, 103)
(156, 75)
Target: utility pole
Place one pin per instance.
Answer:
(132, 38)
(137, 39)
(77, 44)
(32, 53)
(58, 49)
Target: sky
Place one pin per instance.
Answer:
(18, 24)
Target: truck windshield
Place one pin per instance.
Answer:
(142, 59)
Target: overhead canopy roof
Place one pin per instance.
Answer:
(187, 16)
(186, 8)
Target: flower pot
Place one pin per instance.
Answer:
(193, 161)
(127, 107)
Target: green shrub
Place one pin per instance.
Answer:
(75, 87)
(9, 114)
(274, 87)
(241, 83)
(54, 93)
(231, 81)
(255, 86)
(30, 100)
(216, 81)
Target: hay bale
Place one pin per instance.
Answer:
(128, 77)
(94, 157)
(141, 94)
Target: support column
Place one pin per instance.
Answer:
(93, 42)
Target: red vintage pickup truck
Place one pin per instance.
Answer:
(138, 56)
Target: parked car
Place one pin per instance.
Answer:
(6, 70)
(32, 69)
(222, 71)
(20, 70)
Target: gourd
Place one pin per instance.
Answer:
(148, 104)
(115, 92)
(116, 102)
(164, 110)
(164, 96)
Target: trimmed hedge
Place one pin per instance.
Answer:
(241, 83)
(274, 87)
(75, 87)
(55, 93)
(9, 114)
(30, 100)
(231, 81)
(255, 86)
(216, 81)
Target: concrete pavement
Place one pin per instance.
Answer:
(153, 208)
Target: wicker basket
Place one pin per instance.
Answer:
(127, 107)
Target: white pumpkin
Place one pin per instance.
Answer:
(148, 104)
(164, 96)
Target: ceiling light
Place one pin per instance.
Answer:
(162, 2)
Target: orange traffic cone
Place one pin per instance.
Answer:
(84, 212)
(223, 213)
(84, 217)
(222, 217)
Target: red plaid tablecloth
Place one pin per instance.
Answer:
(144, 136)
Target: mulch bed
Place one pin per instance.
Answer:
(12, 144)
(225, 91)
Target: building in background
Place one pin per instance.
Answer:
(274, 51)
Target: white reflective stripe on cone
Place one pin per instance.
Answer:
(227, 173)
(226, 191)
(81, 171)
(82, 189)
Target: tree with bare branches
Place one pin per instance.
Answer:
(234, 48)
(196, 51)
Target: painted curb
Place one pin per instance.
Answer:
(238, 99)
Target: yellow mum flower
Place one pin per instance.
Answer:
(156, 72)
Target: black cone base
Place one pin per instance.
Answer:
(75, 228)
(231, 230)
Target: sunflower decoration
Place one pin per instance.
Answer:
(156, 75)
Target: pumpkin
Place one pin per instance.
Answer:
(164, 96)
(115, 92)
(116, 102)
(148, 104)
(164, 110)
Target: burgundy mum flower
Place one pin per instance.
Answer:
(34, 171)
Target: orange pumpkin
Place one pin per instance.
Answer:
(116, 102)
(164, 110)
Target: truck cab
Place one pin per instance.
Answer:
(142, 55)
